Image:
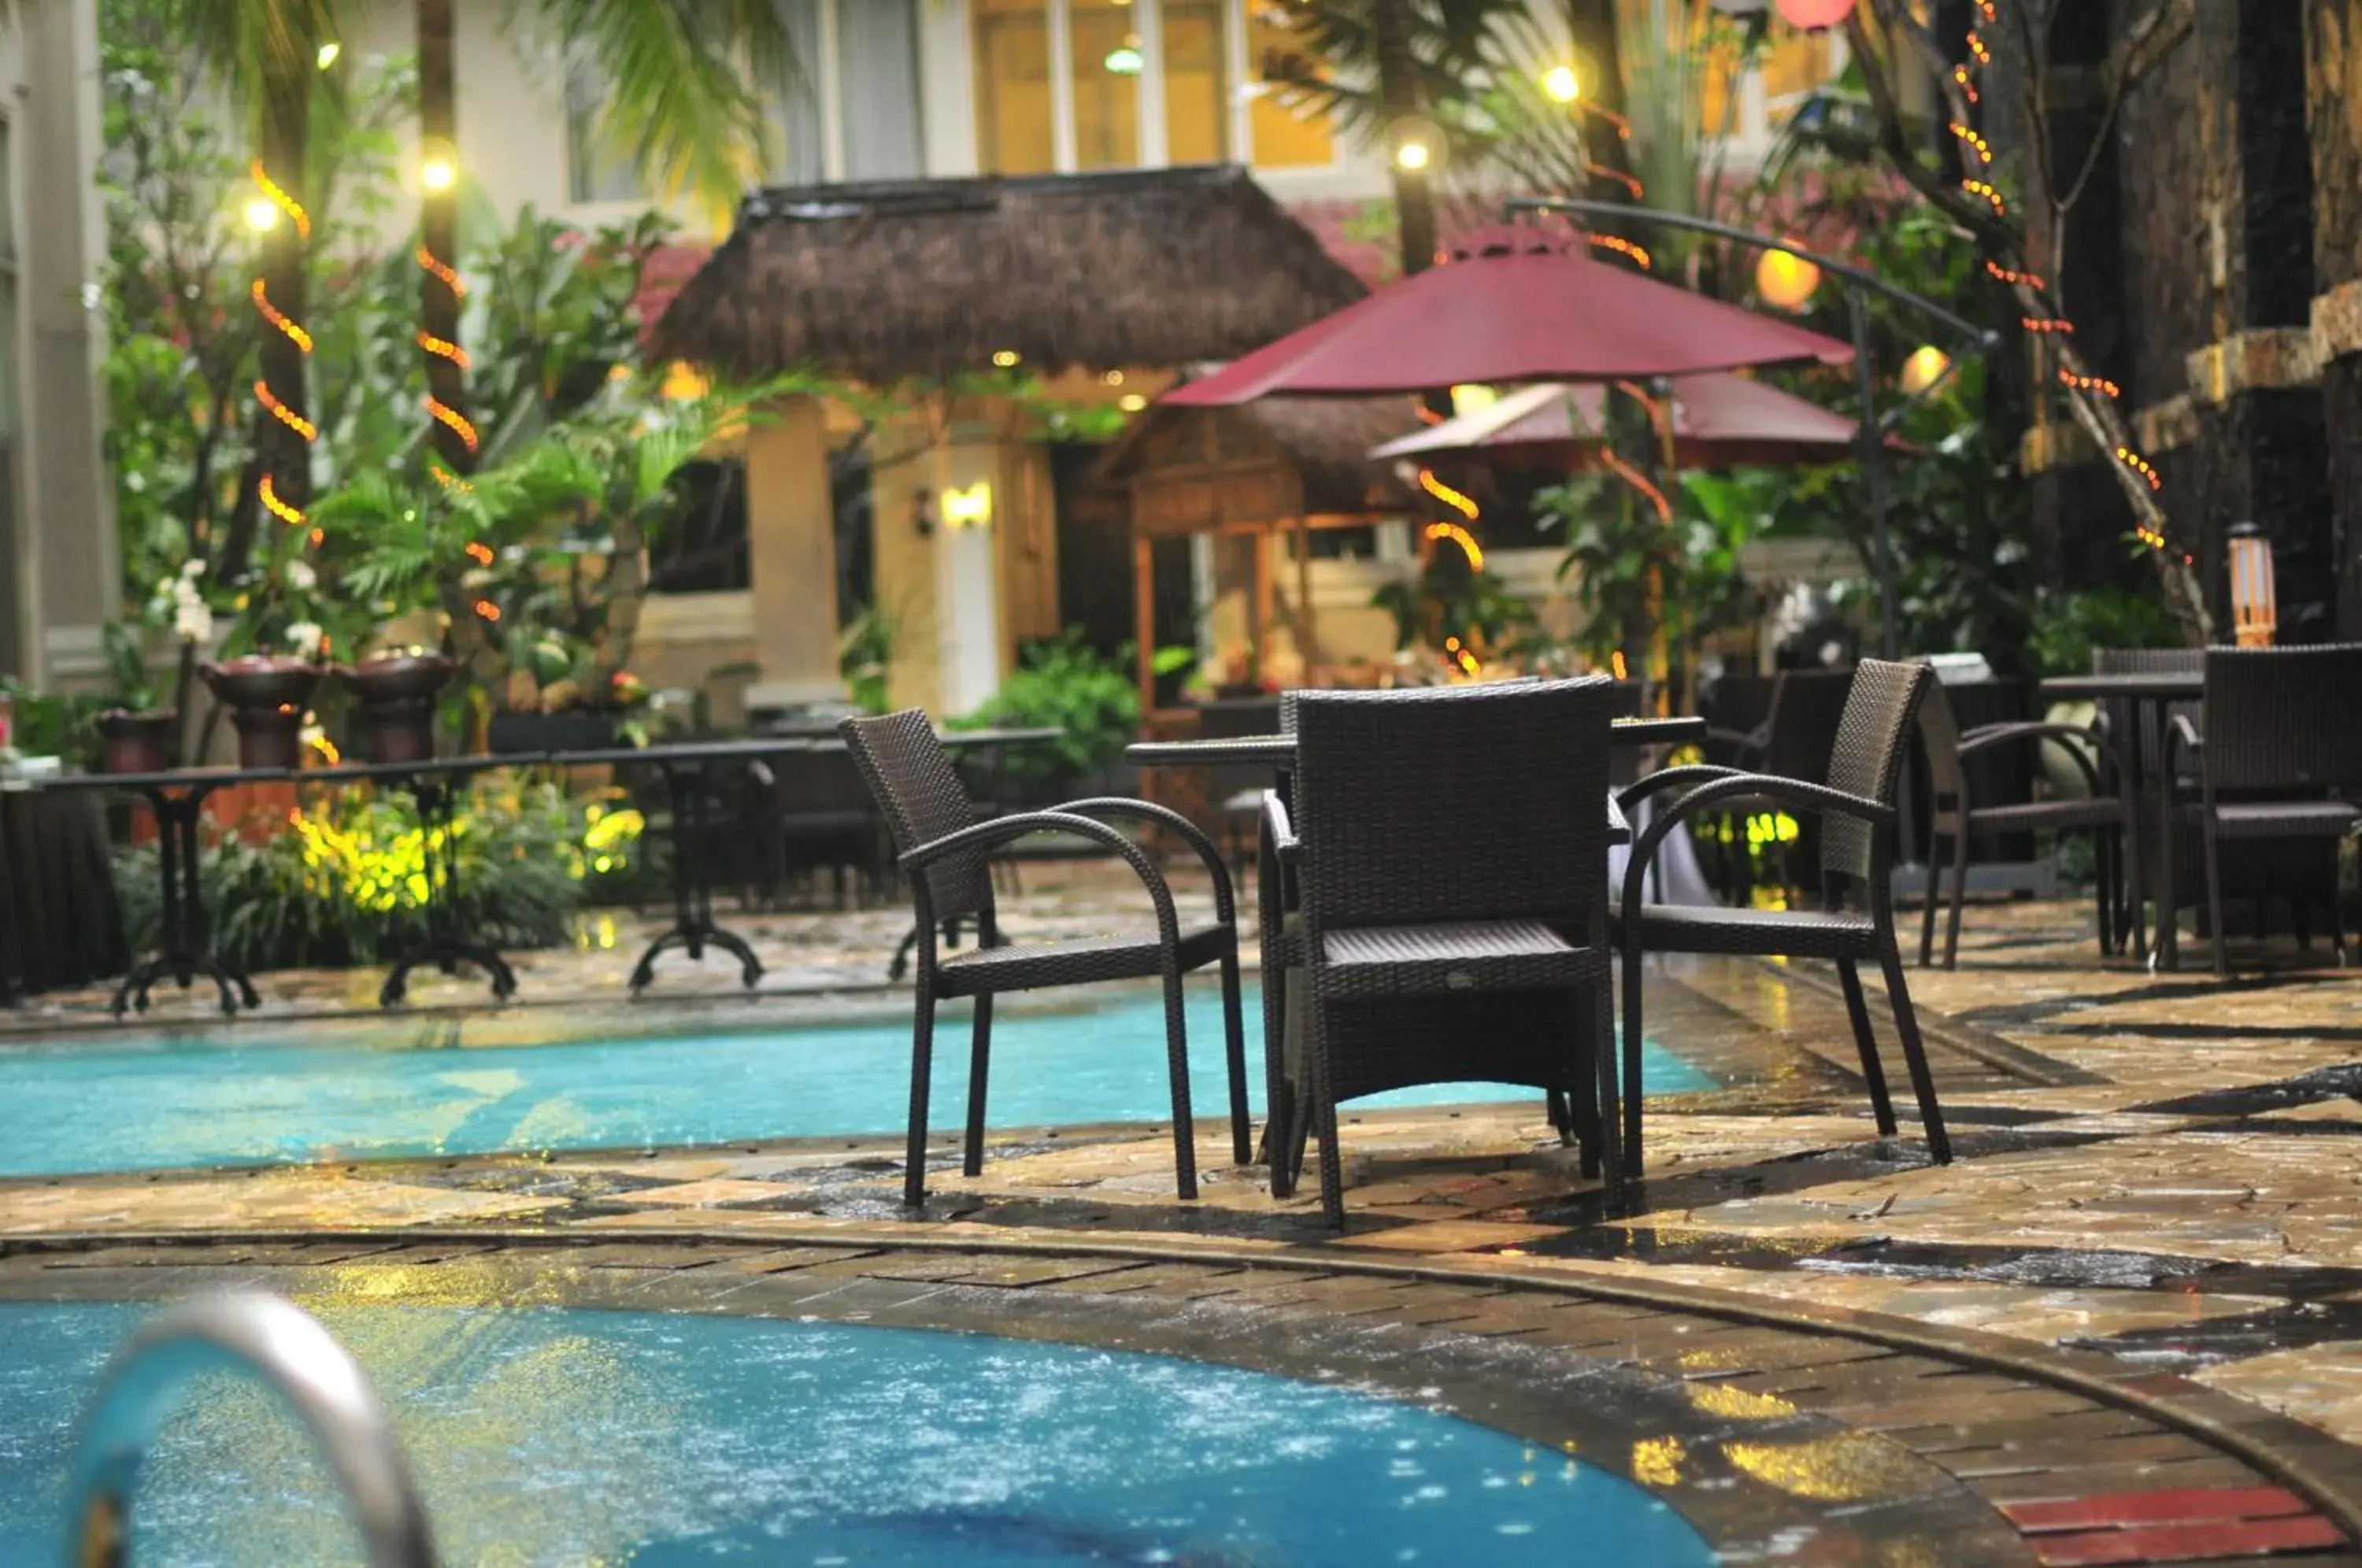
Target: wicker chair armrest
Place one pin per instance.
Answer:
(1001, 829)
(1278, 829)
(2181, 734)
(1225, 903)
(1673, 778)
(1989, 736)
(1740, 787)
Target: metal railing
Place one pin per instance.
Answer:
(285, 1347)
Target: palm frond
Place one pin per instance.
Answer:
(680, 79)
(246, 45)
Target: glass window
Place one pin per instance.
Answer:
(877, 59)
(1012, 87)
(1284, 137)
(1106, 65)
(702, 546)
(1197, 100)
(597, 170)
(797, 157)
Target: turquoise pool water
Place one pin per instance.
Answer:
(241, 1100)
(562, 1436)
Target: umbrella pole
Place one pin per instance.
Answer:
(1307, 653)
(1670, 454)
(1873, 475)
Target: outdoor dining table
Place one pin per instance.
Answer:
(177, 796)
(2150, 695)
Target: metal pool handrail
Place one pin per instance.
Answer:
(289, 1349)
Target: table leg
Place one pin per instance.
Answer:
(183, 953)
(447, 944)
(693, 928)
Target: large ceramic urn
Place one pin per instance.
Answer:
(394, 694)
(267, 695)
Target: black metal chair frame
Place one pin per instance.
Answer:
(1953, 816)
(1855, 865)
(948, 879)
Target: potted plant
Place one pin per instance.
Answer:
(136, 734)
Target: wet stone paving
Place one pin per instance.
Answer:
(2124, 1326)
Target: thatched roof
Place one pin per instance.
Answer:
(1325, 440)
(931, 278)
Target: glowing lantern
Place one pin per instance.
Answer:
(1561, 84)
(1814, 15)
(1924, 368)
(1786, 280)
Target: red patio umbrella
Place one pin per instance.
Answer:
(1516, 304)
(1720, 420)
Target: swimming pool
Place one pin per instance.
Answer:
(565, 1435)
(247, 1098)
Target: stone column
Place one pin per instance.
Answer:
(69, 570)
(2333, 99)
(792, 558)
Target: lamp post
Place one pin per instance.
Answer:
(1871, 436)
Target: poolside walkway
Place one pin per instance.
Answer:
(2155, 1208)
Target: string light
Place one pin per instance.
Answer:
(1977, 47)
(272, 504)
(1462, 538)
(278, 198)
(1427, 415)
(1622, 126)
(2099, 384)
(2030, 279)
(450, 276)
(1601, 172)
(2059, 326)
(279, 318)
(488, 610)
(286, 416)
(1967, 85)
(1638, 480)
(479, 552)
(1987, 191)
(1622, 247)
(443, 349)
(2140, 465)
(1975, 143)
(454, 421)
(1446, 495)
(1615, 663)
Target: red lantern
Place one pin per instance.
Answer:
(1814, 15)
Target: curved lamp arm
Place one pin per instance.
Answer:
(286, 1348)
(1225, 906)
(1001, 829)
(1745, 787)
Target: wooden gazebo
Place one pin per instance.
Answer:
(1276, 467)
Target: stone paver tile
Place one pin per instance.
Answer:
(273, 1201)
(709, 1193)
(1451, 1236)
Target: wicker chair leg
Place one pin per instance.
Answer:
(2128, 868)
(2214, 902)
(1633, 1163)
(1176, 1062)
(1934, 896)
(1321, 1106)
(979, 1064)
(1960, 896)
(2169, 904)
(1873, 1072)
(922, 1066)
(1234, 1044)
(1914, 1055)
(1603, 1057)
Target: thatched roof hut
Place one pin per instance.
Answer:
(913, 278)
(1192, 468)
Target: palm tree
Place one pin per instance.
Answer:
(675, 94)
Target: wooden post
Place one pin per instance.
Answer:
(1143, 567)
(1307, 651)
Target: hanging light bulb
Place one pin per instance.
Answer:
(262, 214)
(1814, 15)
(1786, 280)
(438, 174)
(1412, 155)
(1561, 84)
(1924, 368)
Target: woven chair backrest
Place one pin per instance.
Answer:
(1807, 706)
(1939, 733)
(1443, 804)
(2283, 718)
(1867, 759)
(912, 778)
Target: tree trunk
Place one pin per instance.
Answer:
(438, 219)
(282, 450)
(1390, 23)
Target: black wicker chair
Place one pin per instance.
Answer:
(2277, 750)
(1441, 947)
(944, 841)
(1857, 855)
(2109, 813)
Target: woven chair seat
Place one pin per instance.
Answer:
(1795, 933)
(1023, 966)
(2034, 814)
(1463, 955)
(2284, 819)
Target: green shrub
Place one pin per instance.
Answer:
(1063, 683)
(2067, 626)
(346, 883)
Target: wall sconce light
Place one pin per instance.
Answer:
(969, 508)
